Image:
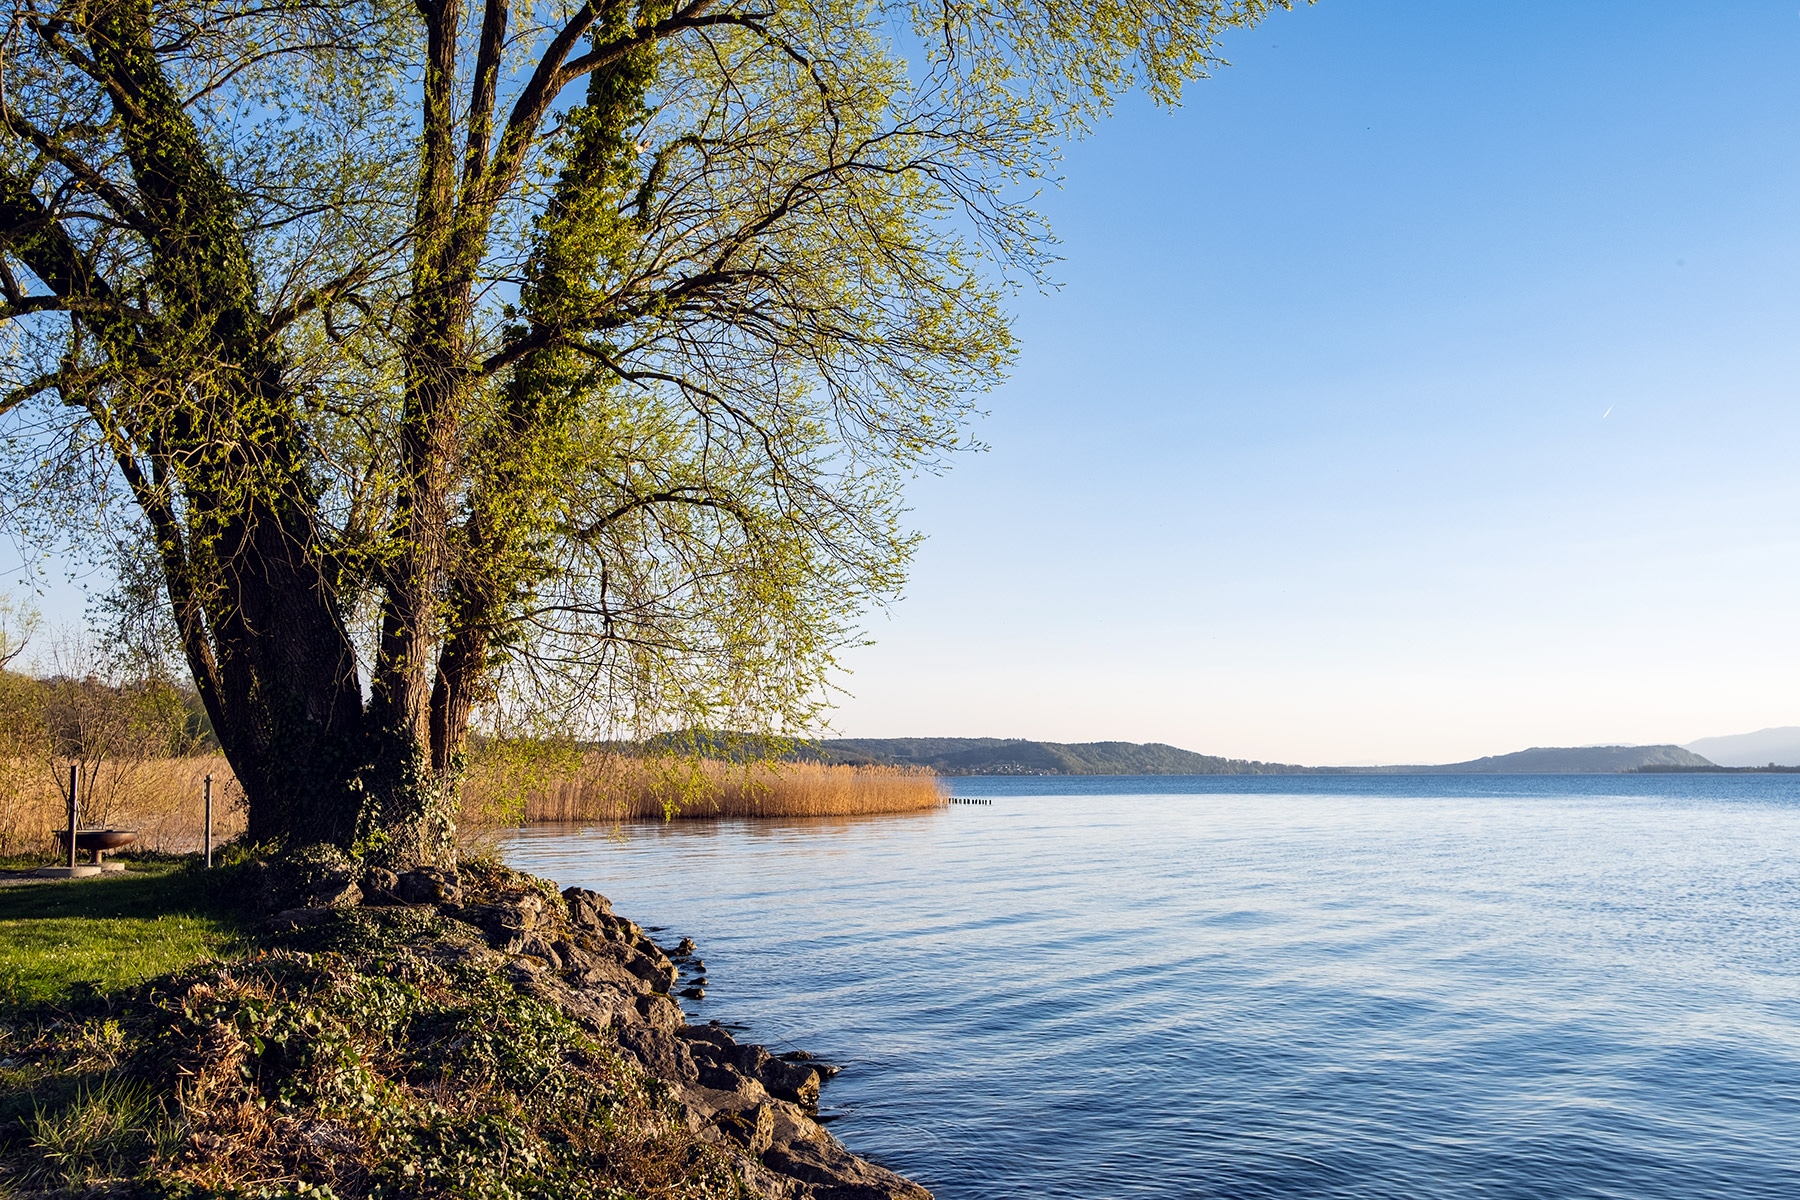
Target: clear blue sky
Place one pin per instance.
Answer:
(1310, 457)
(1424, 388)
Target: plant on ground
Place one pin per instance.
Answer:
(106, 1126)
(378, 1055)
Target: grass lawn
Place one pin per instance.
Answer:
(110, 932)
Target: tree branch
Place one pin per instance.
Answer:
(689, 496)
(323, 296)
(484, 89)
(24, 306)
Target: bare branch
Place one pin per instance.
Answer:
(689, 496)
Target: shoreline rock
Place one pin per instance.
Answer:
(603, 970)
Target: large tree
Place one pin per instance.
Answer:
(565, 355)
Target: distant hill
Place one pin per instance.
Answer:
(1017, 756)
(1558, 760)
(1759, 749)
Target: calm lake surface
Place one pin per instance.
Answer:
(1388, 986)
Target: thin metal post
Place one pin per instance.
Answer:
(73, 776)
(209, 822)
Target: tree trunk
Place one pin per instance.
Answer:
(414, 788)
(291, 703)
(462, 672)
(255, 605)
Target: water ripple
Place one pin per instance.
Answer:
(1363, 987)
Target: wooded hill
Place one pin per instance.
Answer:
(1560, 760)
(1018, 756)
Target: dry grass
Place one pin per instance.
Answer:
(610, 787)
(161, 798)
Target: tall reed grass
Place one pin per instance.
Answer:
(595, 786)
(161, 798)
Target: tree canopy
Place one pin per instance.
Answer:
(517, 357)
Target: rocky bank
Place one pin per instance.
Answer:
(572, 952)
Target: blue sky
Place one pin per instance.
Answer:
(1423, 388)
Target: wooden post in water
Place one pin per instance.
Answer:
(73, 776)
(209, 822)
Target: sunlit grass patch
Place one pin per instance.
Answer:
(108, 933)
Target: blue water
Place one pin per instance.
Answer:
(1366, 986)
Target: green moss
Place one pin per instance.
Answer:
(62, 937)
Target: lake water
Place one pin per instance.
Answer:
(1387, 986)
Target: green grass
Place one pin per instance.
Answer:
(110, 932)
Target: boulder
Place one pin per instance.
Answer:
(659, 975)
(714, 1035)
(599, 1012)
(430, 885)
(524, 969)
(790, 1081)
(753, 1128)
(618, 929)
(708, 1102)
(587, 909)
(825, 1069)
(722, 1076)
(715, 1048)
(793, 1125)
(337, 893)
(659, 1011)
(538, 946)
(759, 1182)
(381, 886)
(508, 919)
(603, 974)
(837, 1174)
(660, 1052)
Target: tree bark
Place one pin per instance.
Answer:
(413, 796)
(271, 653)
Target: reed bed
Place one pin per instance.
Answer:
(161, 798)
(611, 787)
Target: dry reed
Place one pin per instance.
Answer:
(161, 798)
(612, 787)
